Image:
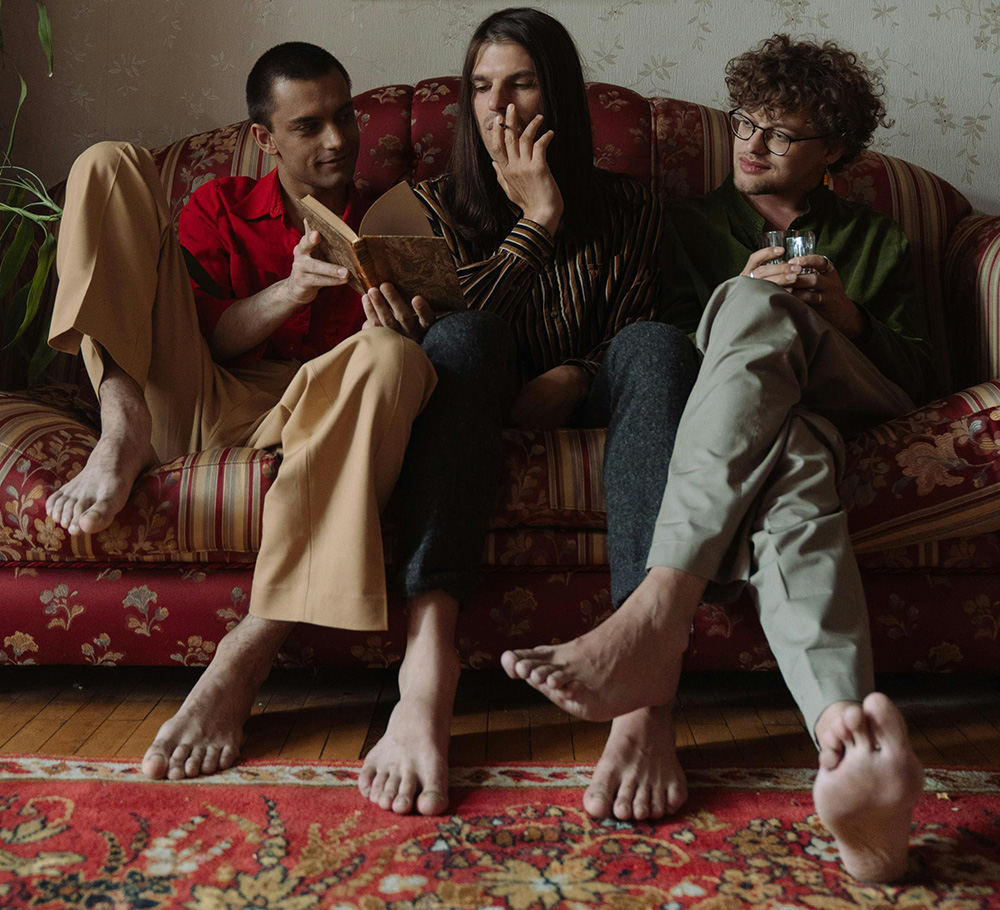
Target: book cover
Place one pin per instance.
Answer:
(394, 243)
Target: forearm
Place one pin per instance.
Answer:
(251, 321)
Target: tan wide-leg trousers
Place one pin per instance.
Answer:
(751, 496)
(342, 420)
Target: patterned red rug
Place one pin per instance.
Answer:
(76, 833)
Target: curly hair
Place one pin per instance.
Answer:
(828, 85)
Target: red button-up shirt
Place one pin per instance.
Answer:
(235, 227)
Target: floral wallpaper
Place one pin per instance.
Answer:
(155, 70)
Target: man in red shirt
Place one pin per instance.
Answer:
(259, 347)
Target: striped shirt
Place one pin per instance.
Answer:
(564, 298)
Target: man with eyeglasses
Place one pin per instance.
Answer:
(794, 353)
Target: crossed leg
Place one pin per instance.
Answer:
(90, 501)
(869, 780)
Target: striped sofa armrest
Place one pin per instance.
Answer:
(972, 292)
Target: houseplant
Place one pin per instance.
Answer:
(28, 216)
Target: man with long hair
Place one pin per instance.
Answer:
(564, 255)
(794, 353)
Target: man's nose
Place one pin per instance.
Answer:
(756, 142)
(498, 100)
(332, 137)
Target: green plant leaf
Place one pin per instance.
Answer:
(45, 32)
(14, 258)
(13, 122)
(15, 198)
(46, 255)
(15, 313)
(40, 360)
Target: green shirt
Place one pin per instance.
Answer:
(707, 240)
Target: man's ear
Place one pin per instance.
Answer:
(834, 152)
(262, 136)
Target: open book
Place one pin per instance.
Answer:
(394, 243)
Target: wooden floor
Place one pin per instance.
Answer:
(724, 719)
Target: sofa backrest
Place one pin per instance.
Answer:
(676, 147)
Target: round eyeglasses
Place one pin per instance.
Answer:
(775, 141)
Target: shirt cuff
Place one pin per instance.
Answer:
(589, 366)
(529, 240)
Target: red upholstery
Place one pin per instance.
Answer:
(164, 583)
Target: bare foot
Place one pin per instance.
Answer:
(867, 800)
(205, 735)
(638, 776)
(408, 766)
(90, 501)
(632, 660)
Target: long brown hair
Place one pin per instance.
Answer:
(478, 204)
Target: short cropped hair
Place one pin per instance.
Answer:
(828, 85)
(291, 60)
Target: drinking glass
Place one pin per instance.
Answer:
(800, 243)
(771, 238)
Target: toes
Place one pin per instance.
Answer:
(677, 794)
(228, 756)
(508, 660)
(402, 804)
(210, 763)
(640, 804)
(79, 507)
(857, 727)
(557, 679)
(887, 723)
(519, 664)
(538, 674)
(432, 802)
(365, 779)
(658, 803)
(831, 745)
(178, 758)
(192, 767)
(155, 762)
(389, 791)
(623, 802)
(598, 799)
(52, 505)
(378, 785)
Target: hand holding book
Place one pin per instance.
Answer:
(394, 244)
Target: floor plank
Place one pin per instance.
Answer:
(720, 718)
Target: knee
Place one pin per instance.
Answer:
(753, 302)
(472, 342)
(123, 165)
(105, 156)
(652, 347)
(377, 356)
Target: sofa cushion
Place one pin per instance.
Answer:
(927, 476)
(204, 507)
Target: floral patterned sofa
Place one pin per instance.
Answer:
(172, 574)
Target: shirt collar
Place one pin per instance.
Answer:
(748, 223)
(265, 201)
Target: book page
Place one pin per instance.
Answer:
(396, 211)
(418, 265)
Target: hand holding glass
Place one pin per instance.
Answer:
(796, 243)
